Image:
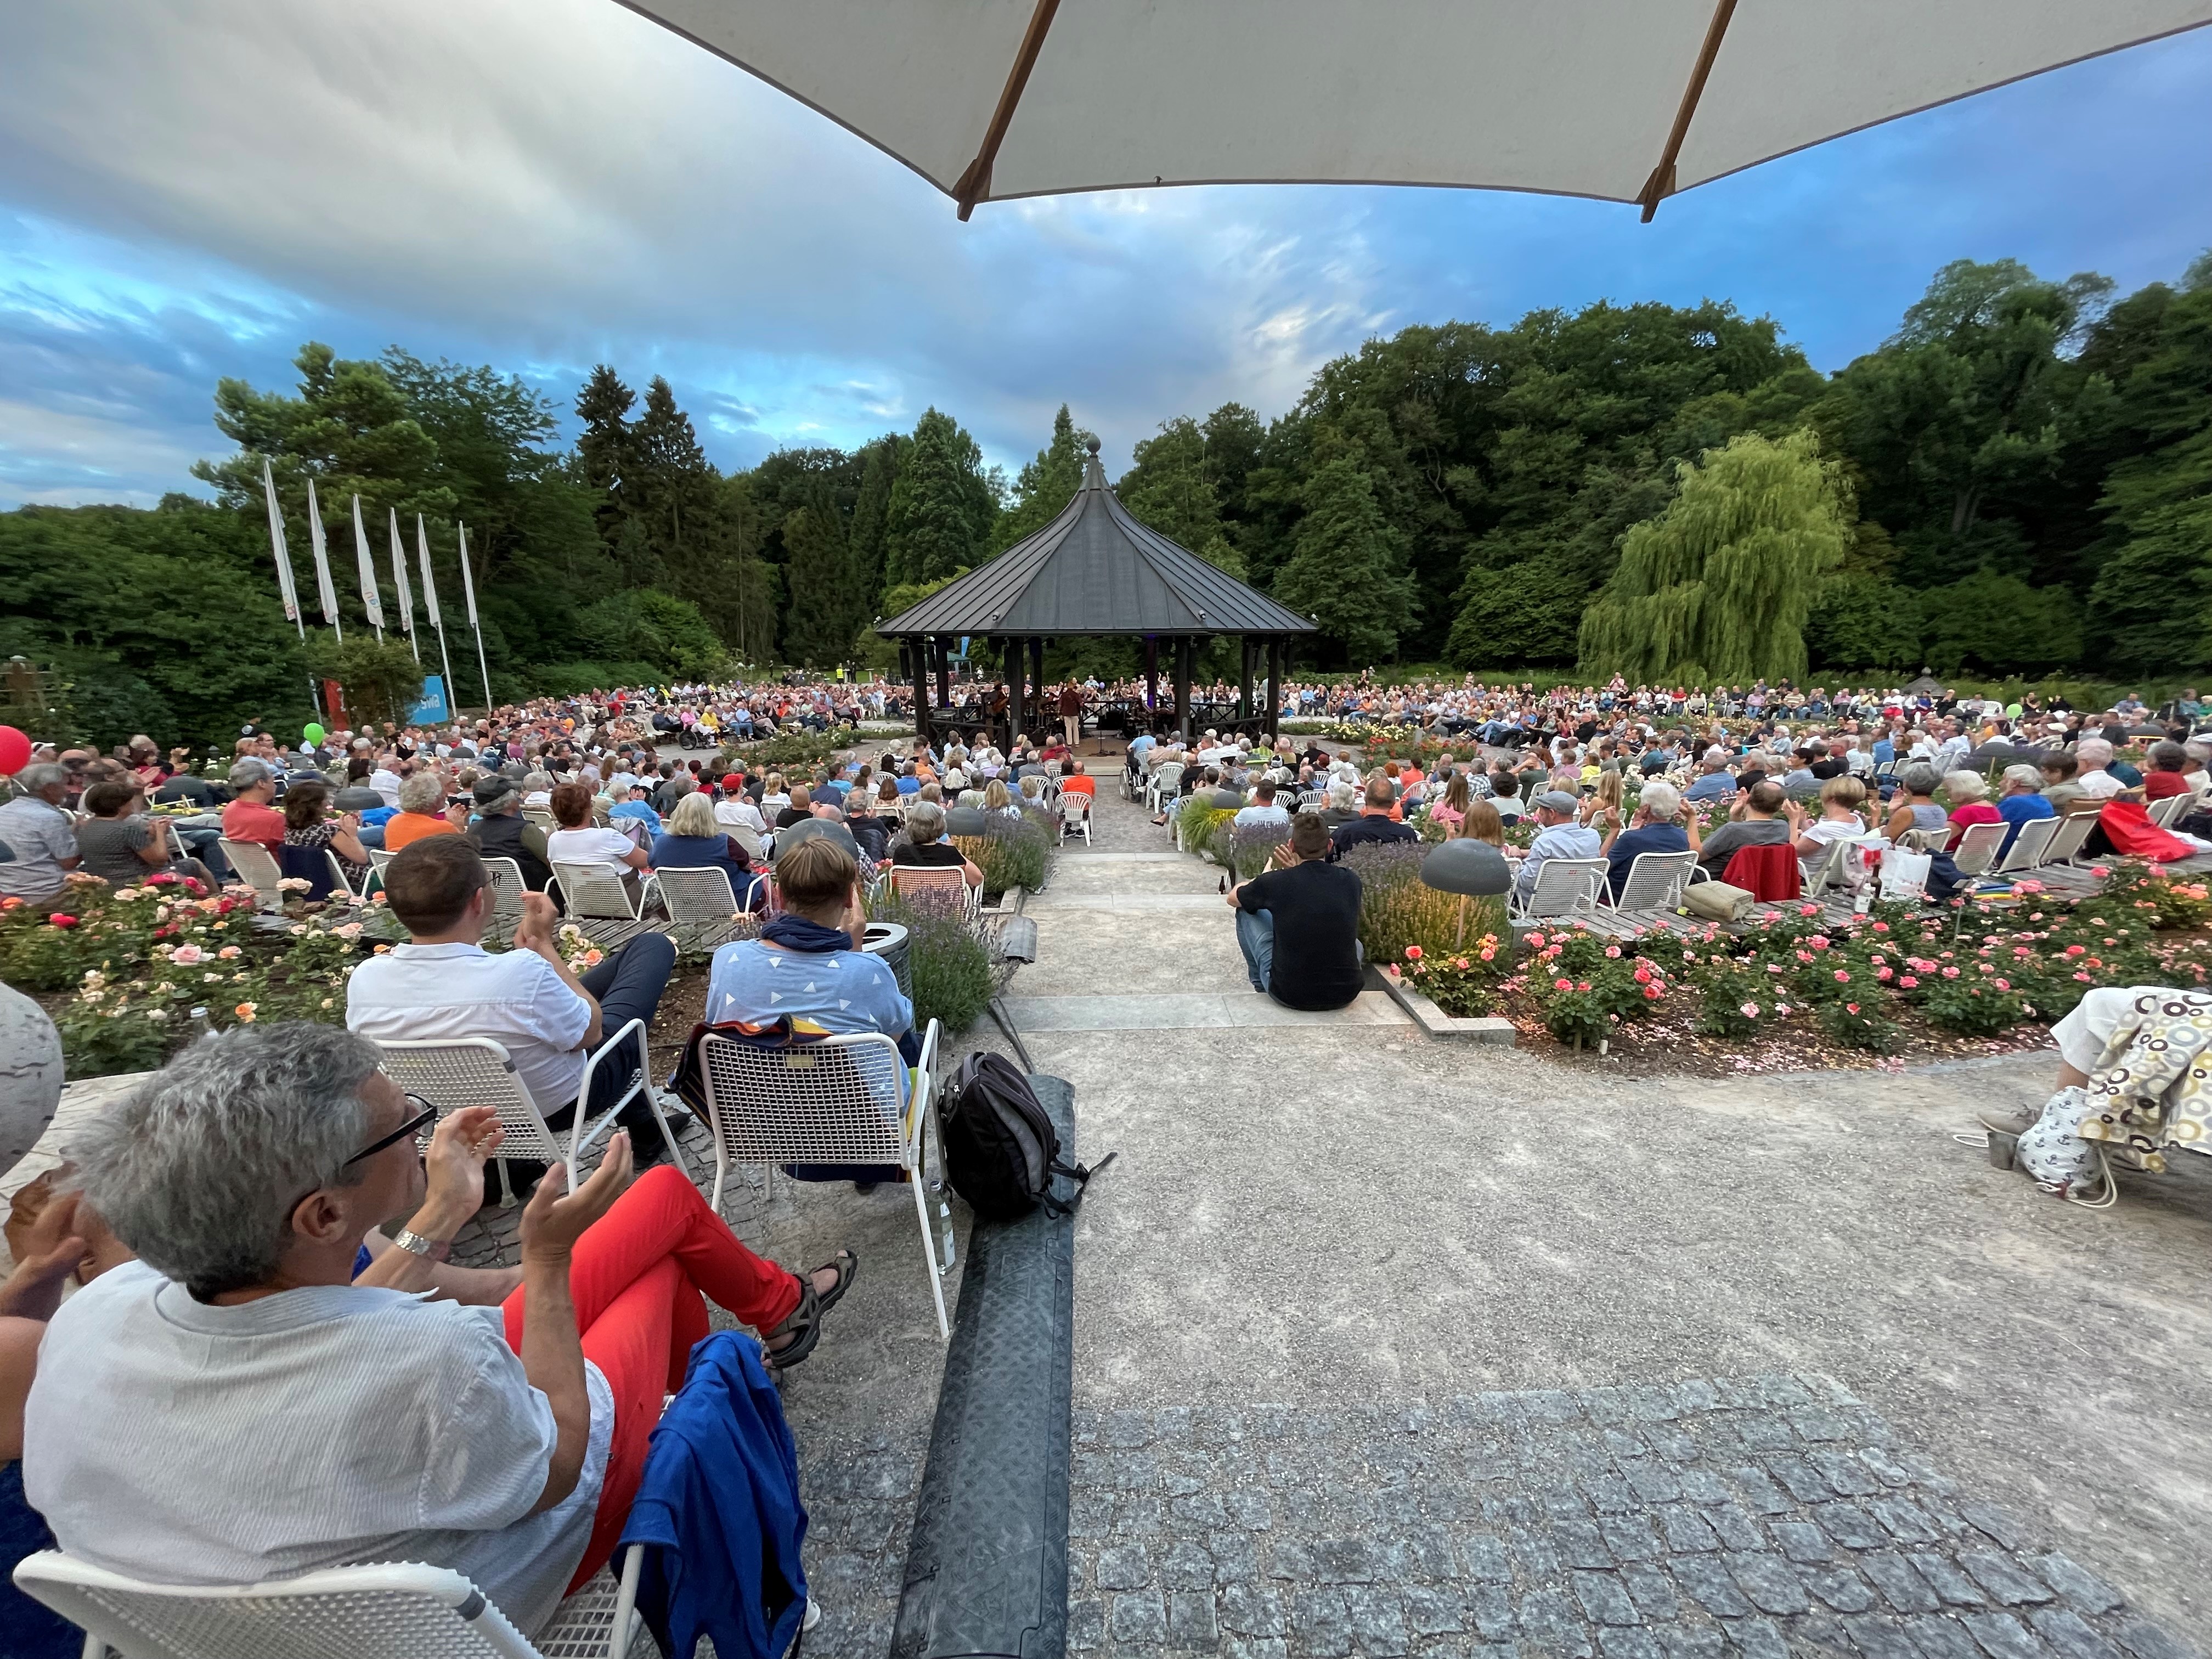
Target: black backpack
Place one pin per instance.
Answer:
(1001, 1148)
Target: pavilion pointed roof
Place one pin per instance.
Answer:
(1095, 569)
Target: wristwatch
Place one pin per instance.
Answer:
(431, 1249)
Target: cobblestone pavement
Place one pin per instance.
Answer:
(1767, 1516)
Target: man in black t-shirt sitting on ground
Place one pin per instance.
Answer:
(1299, 927)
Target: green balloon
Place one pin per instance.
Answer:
(312, 733)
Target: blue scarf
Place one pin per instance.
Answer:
(796, 933)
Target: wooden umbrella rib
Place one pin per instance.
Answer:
(975, 183)
(1661, 184)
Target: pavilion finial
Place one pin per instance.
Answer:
(1094, 471)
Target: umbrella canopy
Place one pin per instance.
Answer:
(991, 99)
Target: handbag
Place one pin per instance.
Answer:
(1716, 901)
(1904, 873)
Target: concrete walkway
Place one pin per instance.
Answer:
(1387, 1345)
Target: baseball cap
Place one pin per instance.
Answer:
(1556, 800)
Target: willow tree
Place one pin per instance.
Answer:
(1717, 587)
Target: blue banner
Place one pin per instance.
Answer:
(432, 710)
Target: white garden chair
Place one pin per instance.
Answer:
(1924, 841)
(391, 1610)
(2073, 833)
(1166, 780)
(1977, 848)
(702, 904)
(2027, 848)
(451, 1072)
(1563, 887)
(597, 891)
(257, 866)
(1075, 814)
(380, 859)
(1312, 798)
(1655, 880)
(340, 883)
(847, 1099)
(508, 887)
(2166, 814)
(938, 883)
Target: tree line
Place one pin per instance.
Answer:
(2018, 480)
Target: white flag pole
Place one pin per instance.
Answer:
(285, 588)
(469, 593)
(430, 603)
(369, 600)
(399, 585)
(323, 589)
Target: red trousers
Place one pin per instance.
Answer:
(636, 1279)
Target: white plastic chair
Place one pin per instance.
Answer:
(1075, 814)
(451, 1072)
(2028, 848)
(1924, 841)
(1308, 797)
(1165, 780)
(2164, 814)
(1977, 848)
(846, 1099)
(1563, 887)
(254, 865)
(390, 1610)
(1655, 880)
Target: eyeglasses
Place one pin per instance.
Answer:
(427, 1114)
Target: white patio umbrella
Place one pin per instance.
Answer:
(1626, 100)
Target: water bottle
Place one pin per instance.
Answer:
(197, 1024)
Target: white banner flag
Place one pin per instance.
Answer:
(399, 578)
(468, 582)
(369, 600)
(284, 588)
(323, 590)
(429, 581)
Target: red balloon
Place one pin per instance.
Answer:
(14, 751)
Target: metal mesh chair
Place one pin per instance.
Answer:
(1655, 880)
(1977, 848)
(844, 1099)
(596, 890)
(508, 887)
(937, 884)
(2066, 844)
(392, 1610)
(2167, 813)
(451, 1072)
(2028, 848)
(1563, 887)
(380, 859)
(340, 883)
(701, 906)
(257, 866)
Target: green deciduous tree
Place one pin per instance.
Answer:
(1346, 568)
(1171, 488)
(1719, 585)
(941, 505)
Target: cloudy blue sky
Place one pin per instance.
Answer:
(189, 191)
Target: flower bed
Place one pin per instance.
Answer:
(1900, 977)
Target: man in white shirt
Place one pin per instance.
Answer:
(2093, 756)
(385, 781)
(528, 999)
(1263, 813)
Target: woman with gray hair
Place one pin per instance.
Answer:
(264, 1414)
(422, 811)
(922, 844)
(2021, 800)
(1915, 806)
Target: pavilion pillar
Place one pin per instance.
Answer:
(1152, 679)
(943, 671)
(917, 655)
(1182, 655)
(1274, 689)
(1017, 696)
(1244, 676)
(1037, 713)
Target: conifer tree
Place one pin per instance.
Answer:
(1718, 586)
(1346, 568)
(872, 517)
(603, 451)
(941, 505)
(819, 627)
(1045, 485)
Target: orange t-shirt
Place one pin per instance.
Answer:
(402, 828)
(1079, 785)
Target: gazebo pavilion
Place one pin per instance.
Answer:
(1094, 572)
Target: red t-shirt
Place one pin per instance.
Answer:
(1973, 812)
(246, 820)
(2158, 785)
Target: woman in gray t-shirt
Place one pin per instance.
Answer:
(119, 843)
